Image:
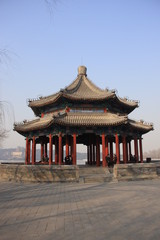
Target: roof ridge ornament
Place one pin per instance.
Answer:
(82, 70)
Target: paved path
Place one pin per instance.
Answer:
(80, 211)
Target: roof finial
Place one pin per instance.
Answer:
(82, 70)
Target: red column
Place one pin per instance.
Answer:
(60, 149)
(117, 149)
(88, 154)
(62, 155)
(111, 151)
(130, 152)
(74, 149)
(42, 150)
(26, 157)
(97, 152)
(45, 150)
(91, 154)
(124, 150)
(136, 148)
(29, 151)
(104, 164)
(50, 149)
(141, 150)
(67, 145)
(56, 150)
(94, 156)
(106, 145)
(33, 150)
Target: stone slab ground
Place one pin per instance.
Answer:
(70, 211)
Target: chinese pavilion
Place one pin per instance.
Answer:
(84, 114)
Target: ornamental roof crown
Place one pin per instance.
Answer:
(82, 70)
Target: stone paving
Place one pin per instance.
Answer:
(126, 210)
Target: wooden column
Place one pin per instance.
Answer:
(67, 145)
(60, 149)
(106, 145)
(50, 148)
(117, 149)
(26, 156)
(136, 148)
(124, 150)
(74, 149)
(111, 151)
(42, 150)
(88, 154)
(97, 152)
(45, 149)
(90, 151)
(29, 151)
(130, 151)
(94, 156)
(141, 150)
(104, 164)
(33, 150)
(56, 150)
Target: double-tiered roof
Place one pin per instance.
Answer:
(83, 105)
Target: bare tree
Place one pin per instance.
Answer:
(6, 119)
(6, 109)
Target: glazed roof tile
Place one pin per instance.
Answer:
(82, 89)
(80, 119)
(72, 119)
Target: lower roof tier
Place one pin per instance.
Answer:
(82, 120)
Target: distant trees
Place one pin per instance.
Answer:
(154, 154)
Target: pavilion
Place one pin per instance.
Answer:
(82, 113)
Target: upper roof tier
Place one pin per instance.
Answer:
(83, 90)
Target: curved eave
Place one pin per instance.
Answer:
(141, 126)
(37, 124)
(44, 101)
(127, 104)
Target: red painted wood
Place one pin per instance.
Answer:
(111, 151)
(50, 148)
(74, 149)
(136, 148)
(124, 150)
(29, 151)
(141, 150)
(26, 156)
(60, 149)
(104, 163)
(97, 152)
(45, 150)
(33, 150)
(42, 150)
(67, 145)
(117, 149)
(106, 145)
(56, 150)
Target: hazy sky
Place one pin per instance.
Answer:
(117, 40)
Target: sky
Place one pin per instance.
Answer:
(117, 40)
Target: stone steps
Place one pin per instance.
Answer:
(95, 174)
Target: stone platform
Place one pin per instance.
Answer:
(38, 173)
(138, 171)
(82, 174)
